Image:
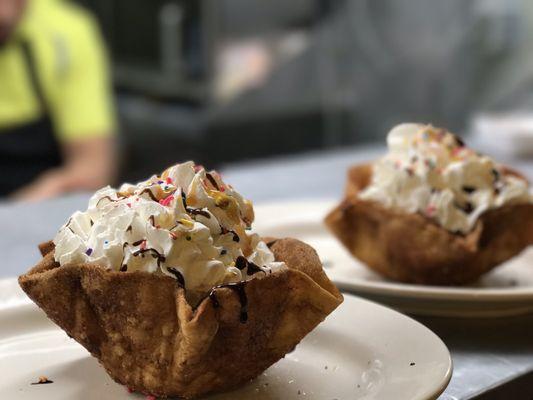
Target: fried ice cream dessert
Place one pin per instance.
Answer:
(433, 211)
(166, 286)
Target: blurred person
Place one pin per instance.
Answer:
(56, 113)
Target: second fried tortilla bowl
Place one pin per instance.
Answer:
(433, 211)
(164, 285)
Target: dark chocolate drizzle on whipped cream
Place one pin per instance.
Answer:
(123, 267)
(110, 199)
(236, 237)
(467, 207)
(251, 268)
(193, 211)
(212, 181)
(160, 258)
(150, 194)
(237, 287)
(184, 199)
(197, 211)
(178, 275)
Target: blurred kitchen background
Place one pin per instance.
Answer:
(222, 81)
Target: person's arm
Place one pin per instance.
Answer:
(89, 164)
(81, 107)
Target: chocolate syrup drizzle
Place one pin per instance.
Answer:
(495, 174)
(160, 258)
(212, 180)
(178, 275)
(193, 211)
(123, 267)
(197, 211)
(468, 189)
(467, 208)
(150, 194)
(251, 268)
(460, 142)
(237, 287)
(67, 225)
(236, 237)
(109, 198)
(184, 199)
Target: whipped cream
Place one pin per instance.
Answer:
(186, 223)
(430, 170)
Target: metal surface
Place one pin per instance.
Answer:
(492, 358)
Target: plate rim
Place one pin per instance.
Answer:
(17, 298)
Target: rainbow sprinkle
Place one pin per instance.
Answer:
(166, 201)
(430, 209)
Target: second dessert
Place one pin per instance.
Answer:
(433, 210)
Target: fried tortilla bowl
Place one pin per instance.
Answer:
(148, 337)
(411, 248)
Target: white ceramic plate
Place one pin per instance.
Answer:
(362, 350)
(507, 290)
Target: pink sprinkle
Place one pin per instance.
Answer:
(222, 189)
(169, 180)
(166, 201)
(151, 397)
(198, 168)
(430, 210)
(128, 204)
(457, 152)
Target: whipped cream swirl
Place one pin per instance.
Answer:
(186, 223)
(431, 171)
